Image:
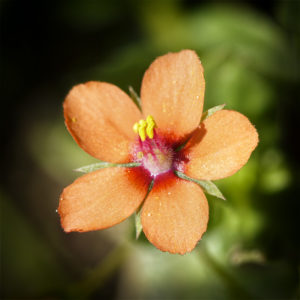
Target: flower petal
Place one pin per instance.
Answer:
(220, 146)
(173, 91)
(100, 117)
(101, 199)
(175, 215)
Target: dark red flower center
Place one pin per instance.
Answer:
(155, 153)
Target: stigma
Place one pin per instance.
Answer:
(150, 149)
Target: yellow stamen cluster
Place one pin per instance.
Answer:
(145, 128)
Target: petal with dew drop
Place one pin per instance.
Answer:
(101, 199)
(173, 93)
(175, 215)
(220, 146)
(100, 116)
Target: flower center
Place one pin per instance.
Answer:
(150, 149)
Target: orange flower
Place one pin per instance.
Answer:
(100, 117)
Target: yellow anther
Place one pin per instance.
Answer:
(136, 127)
(145, 128)
(150, 126)
(142, 127)
(140, 155)
(150, 119)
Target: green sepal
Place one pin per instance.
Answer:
(181, 146)
(208, 186)
(138, 223)
(211, 111)
(134, 96)
(103, 164)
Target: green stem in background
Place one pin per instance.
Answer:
(96, 278)
(235, 288)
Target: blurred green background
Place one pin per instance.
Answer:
(250, 52)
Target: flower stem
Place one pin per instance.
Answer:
(235, 288)
(96, 278)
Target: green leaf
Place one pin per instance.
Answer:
(138, 223)
(208, 186)
(134, 96)
(211, 111)
(103, 164)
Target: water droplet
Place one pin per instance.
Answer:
(149, 215)
(169, 193)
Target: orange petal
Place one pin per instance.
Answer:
(175, 215)
(101, 199)
(173, 91)
(100, 117)
(220, 146)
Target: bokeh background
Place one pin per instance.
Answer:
(250, 52)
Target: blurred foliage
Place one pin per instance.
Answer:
(250, 54)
